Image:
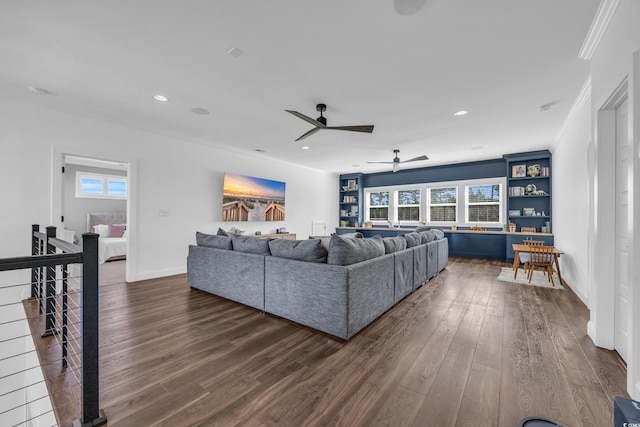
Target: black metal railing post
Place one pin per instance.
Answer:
(90, 355)
(35, 247)
(50, 294)
(65, 315)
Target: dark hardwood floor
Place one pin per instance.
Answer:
(464, 350)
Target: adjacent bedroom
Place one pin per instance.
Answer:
(95, 200)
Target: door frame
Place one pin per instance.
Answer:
(601, 326)
(58, 154)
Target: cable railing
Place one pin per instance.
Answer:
(49, 335)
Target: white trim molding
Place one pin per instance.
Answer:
(583, 99)
(598, 27)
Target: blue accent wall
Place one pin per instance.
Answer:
(454, 172)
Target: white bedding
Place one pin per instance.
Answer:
(109, 247)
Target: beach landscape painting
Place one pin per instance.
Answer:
(247, 198)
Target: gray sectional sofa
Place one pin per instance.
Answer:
(337, 285)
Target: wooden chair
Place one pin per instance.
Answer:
(541, 257)
(525, 256)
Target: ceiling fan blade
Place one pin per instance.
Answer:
(311, 132)
(307, 119)
(363, 128)
(415, 159)
(386, 163)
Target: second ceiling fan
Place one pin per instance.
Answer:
(396, 161)
(321, 123)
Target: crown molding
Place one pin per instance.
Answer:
(581, 100)
(598, 27)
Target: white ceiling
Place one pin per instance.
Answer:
(499, 59)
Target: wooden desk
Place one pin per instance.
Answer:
(517, 248)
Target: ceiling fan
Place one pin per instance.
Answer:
(396, 161)
(321, 123)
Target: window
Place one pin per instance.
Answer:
(464, 203)
(378, 205)
(100, 186)
(483, 203)
(443, 204)
(408, 205)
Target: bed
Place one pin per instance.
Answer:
(111, 226)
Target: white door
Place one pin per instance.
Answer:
(622, 292)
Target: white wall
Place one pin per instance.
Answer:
(168, 173)
(571, 197)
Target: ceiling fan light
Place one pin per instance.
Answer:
(396, 167)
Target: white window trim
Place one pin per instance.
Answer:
(105, 180)
(461, 207)
(396, 203)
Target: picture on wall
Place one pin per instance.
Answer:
(246, 198)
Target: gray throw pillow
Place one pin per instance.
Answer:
(394, 244)
(250, 244)
(324, 239)
(310, 250)
(421, 228)
(439, 233)
(346, 251)
(413, 239)
(211, 241)
(221, 232)
(428, 236)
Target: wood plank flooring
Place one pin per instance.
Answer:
(464, 350)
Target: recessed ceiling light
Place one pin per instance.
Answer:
(235, 52)
(477, 147)
(355, 166)
(461, 113)
(305, 148)
(199, 110)
(160, 98)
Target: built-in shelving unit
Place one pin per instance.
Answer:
(350, 200)
(529, 196)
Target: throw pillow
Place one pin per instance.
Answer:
(439, 233)
(394, 244)
(116, 230)
(101, 229)
(346, 251)
(413, 239)
(221, 232)
(211, 241)
(253, 245)
(422, 228)
(310, 250)
(355, 235)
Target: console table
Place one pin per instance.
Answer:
(291, 236)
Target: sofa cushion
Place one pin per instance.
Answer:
(421, 228)
(304, 250)
(354, 235)
(346, 251)
(428, 236)
(221, 232)
(439, 233)
(253, 245)
(394, 244)
(211, 241)
(413, 239)
(324, 239)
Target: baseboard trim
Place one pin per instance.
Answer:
(159, 273)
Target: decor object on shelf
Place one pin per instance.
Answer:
(321, 123)
(518, 171)
(528, 229)
(528, 211)
(532, 190)
(514, 212)
(396, 161)
(246, 198)
(533, 170)
(234, 231)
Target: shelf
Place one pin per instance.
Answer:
(530, 197)
(527, 178)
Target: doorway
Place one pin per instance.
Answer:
(622, 239)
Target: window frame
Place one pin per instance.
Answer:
(105, 185)
(462, 203)
(368, 206)
(397, 204)
(499, 203)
